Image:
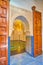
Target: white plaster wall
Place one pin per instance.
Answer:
(27, 4)
(27, 14)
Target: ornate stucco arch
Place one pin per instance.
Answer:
(25, 23)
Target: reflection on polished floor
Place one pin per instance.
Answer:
(26, 59)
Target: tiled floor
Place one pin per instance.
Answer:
(26, 59)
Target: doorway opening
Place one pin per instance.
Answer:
(18, 37)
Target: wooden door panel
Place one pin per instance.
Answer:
(3, 52)
(36, 52)
(37, 33)
(4, 4)
(0, 53)
(39, 51)
(35, 45)
(39, 42)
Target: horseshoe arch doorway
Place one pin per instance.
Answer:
(18, 36)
